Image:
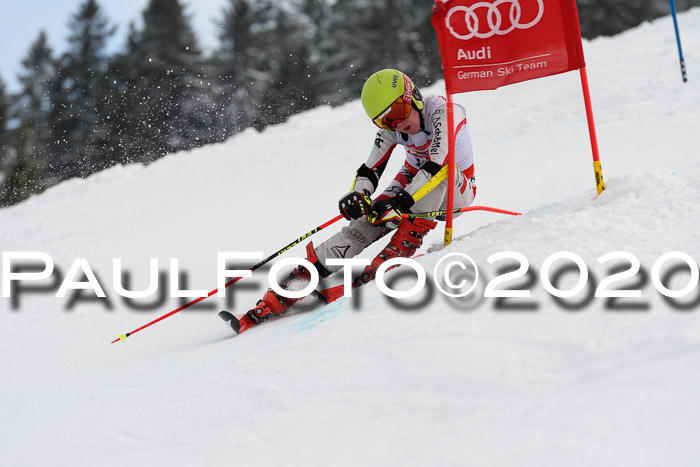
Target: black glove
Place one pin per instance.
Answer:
(354, 205)
(403, 200)
(385, 212)
(389, 211)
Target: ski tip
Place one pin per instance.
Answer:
(225, 315)
(231, 320)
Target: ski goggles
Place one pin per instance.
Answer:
(397, 112)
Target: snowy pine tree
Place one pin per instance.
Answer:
(34, 104)
(22, 168)
(4, 113)
(234, 34)
(288, 67)
(171, 86)
(121, 106)
(79, 132)
(28, 154)
(608, 17)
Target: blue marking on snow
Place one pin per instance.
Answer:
(314, 318)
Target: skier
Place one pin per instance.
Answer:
(418, 123)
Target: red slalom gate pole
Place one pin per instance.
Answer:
(597, 168)
(122, 337)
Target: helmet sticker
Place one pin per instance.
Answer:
(407, 89)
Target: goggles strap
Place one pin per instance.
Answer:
(420, 115)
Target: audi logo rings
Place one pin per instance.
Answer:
(494, 18)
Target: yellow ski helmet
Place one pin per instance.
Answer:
(386, 86)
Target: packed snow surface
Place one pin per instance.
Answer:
(367, 381)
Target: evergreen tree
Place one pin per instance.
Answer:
(347, 50)
(287, 67)
(418, 39)
(79, 131)
(172, 83)
(21, 170)
(238, 108)
(28, 153)
(4, 114)
(249, 43)
(600, 17)
(608, 17)
(18, 175)
(315, 16)
(124, 104)
(235, 37)
(361, 37)
(6, 152)
(34, 104)
(38, 69)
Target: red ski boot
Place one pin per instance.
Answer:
(407, 239)
(273, 304)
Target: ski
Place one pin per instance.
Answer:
(231, 320)
(238, 327)
(325, 296)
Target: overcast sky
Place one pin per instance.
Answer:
(21, 21)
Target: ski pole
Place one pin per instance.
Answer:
(122, 337)
(469, 208)
(678, 41)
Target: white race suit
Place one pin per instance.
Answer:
(426, 154)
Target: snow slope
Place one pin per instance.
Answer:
(364, 381)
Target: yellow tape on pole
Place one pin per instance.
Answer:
(448, 235)
(599, 183)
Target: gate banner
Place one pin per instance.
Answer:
(492, 43)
